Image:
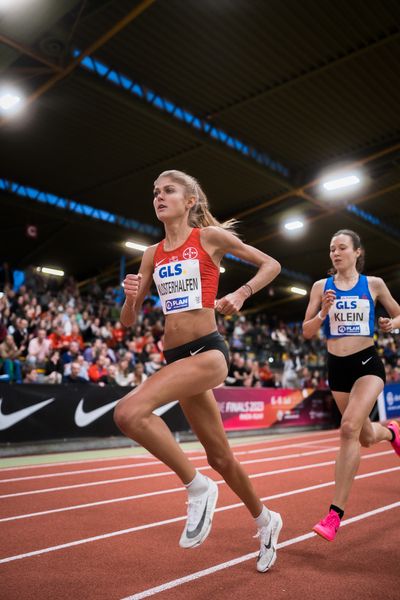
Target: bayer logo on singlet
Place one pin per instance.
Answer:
(190, 252)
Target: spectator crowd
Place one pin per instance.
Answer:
(54, 331)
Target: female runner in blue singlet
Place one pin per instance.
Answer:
(345, 304)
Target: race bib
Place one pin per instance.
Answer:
(349, 315)
(179, 286)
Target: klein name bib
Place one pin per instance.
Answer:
(349, 315)
(179, 286)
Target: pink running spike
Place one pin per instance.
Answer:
(394, 426)
(328, 527)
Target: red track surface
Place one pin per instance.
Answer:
(121, 545)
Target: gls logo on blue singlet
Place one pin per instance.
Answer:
(170, 271)
(346, 304)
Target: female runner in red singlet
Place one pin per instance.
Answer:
(185, 267)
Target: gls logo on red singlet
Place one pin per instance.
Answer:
(190, 252)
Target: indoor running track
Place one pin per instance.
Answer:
(108, 528)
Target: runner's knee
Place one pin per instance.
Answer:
(349, 429)
(222, 462)
(129, 415)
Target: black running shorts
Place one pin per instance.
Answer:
(212, 341)
(343, 371)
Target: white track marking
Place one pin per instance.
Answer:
(180, 489)
(73, 462)
(157, 462)
(192, 451)
(81, 471)
(169, 473)
(167, 522)
(231, 563)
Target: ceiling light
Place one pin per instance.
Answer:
(136, 246)
(293, 225)
(299, 291)
(50, 271)
(341, 182)
(9, 101)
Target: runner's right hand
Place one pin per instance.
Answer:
(327, 301)
(131, 285)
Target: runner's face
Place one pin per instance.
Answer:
(169, 199)
(342, 253)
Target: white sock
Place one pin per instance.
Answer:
(198, 485)
(263, 518)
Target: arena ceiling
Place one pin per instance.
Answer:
(256, 99)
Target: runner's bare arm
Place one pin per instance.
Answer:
(314, 317)
(383, 295)
(136, 287)
(218, 242)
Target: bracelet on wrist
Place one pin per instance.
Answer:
(320, 317)
(248, 288)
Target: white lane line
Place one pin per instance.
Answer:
(74, 462)
(169, 473)
(150, 463)
(231, 563)
(154, 462)
(175, 520)
(81, 471)
(171, 491)
(193, 451)
(181, 489)
(166, 473)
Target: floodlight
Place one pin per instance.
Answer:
(136, 246)
(299, 291)
(293, 225)
(50, 271)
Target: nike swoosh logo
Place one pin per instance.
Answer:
(268, 546)
(7, 421)
(193, 352)
(192, 534)
(82, 418)
(364, 362)
(160, 261)
(163, 409)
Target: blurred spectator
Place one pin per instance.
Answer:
(21, 335)
(98, 369)
(267, 378)
(154, 364)
(53, 368)
(31, 375)
(71, 354)
(110, 378)
(118, 335)
(9, 357)
(124, 376)
(139, 376)
(58, 339)
(39, 349)
(237, 371)
(74, 376)
(291, 369)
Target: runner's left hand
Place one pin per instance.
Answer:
(386, 324)
(229, 304)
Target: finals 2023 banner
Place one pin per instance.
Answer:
(260, 408)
